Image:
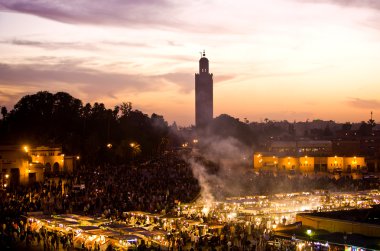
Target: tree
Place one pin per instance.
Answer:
(4, 112)
(126, 108)
(347, 126)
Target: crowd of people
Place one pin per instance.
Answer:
(154, 185)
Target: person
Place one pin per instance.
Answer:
(142, 246)
(109, 247)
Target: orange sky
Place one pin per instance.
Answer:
(276, 59)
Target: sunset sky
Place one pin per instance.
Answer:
(276, 59)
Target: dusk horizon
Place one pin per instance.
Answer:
(190, 125)
(282, 60)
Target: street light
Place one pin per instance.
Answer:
(109, 145)
(7, 176)
(26, 149)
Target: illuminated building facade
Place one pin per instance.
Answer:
(22, 165)
(17, 168)
(203, 94)
(51, 158)
(268, 161)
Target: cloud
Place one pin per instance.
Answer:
(72, 76)
(125, 43)
(105, 12)
(51, 45)
(364, 103)
(186, 80)
(75, 45)
(373, 4)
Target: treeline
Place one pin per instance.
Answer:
(96, 133)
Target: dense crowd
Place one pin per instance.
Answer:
(154, 185)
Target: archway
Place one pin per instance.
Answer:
(56, 167)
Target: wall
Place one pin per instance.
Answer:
(335, 225)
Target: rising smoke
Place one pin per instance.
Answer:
(219, 167)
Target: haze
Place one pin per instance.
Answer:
(276, 59)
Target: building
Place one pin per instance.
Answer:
(203, 94)
(269, 161)
(22, 165)
(51, 158)
(17, 168)
(357, 221)
(302, 147)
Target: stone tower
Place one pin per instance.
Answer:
(203, 94)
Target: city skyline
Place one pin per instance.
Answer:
(282, 59)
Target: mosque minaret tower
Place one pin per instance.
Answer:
(203, 94)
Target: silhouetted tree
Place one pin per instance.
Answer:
(4, 112)
(347, 126)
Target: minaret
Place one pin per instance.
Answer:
(203, 94)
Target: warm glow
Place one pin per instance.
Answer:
(78, 157)
(316, 47)
(132, 144)
(7, 176)
(26, 149)
(109, 145)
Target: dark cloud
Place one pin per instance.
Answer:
(105, 12)
(364, 103)
(93, 82)
(165, 14)
(45, 72)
